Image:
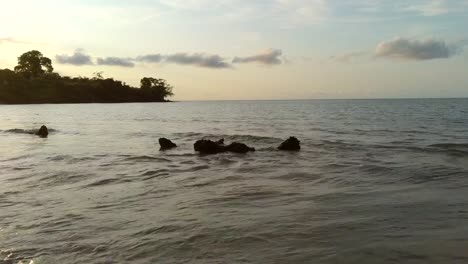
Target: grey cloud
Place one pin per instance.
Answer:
(115, 61)
(401, 48)
(151, 58)
(198, 59)
(269, 57)
(78, 58)
(214, 61)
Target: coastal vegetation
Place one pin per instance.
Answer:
(34, 81)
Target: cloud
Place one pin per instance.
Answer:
(151, 58)
(298, 12)
(198, 59)
(437, 7)
(115, 61)
(204, 60)
(268, 57)
(408, 49)
(78, 58)
(285, 13)
(348, 57)
(12, 40)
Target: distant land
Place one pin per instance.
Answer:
(34, 81)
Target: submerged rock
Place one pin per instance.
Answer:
(209, 147)
(291, 144)
(239, 148)
(43, 132)
(166, 144)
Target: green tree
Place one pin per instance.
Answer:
(157, 89)
(33, 64)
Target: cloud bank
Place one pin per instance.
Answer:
(78, 58)
(268, 57)
(203, 60)
(115, 61)
(408, 49)
(198, 59)
(150, 58)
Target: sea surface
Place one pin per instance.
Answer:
(376, 181)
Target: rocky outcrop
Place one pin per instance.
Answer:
(166, 144)
(43, 132)
(205, 146)
(291, 144)
(238, 148)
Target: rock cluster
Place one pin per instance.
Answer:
(206, 146)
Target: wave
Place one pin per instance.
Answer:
(452, 148)
(103, 182)
(450, 145)
(144, 158)
(229, 137)
(25, 131)
(455, 149)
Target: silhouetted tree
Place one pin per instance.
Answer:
(98, 75)
(156, 88)
(34, 81)
(33, 64)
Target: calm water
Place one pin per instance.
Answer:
(377, 181)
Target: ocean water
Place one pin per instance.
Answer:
(377, 181)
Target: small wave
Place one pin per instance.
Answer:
(235, 137)
(452, 148)
(21, 168)
(144, 158)
(154, 172)
(102, 182)
(9, 256)
(450, 145)
(59, 157)
(21, 131)
(25, 131)
(151, 174)
(158, 230)
(193, 169)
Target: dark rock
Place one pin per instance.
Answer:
(208, 147)
(239, 148)
(166, 144)
(212, 147)
(43, 132)
(291, 144)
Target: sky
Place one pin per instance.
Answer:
(251, 49)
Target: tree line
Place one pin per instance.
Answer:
(33, 81)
